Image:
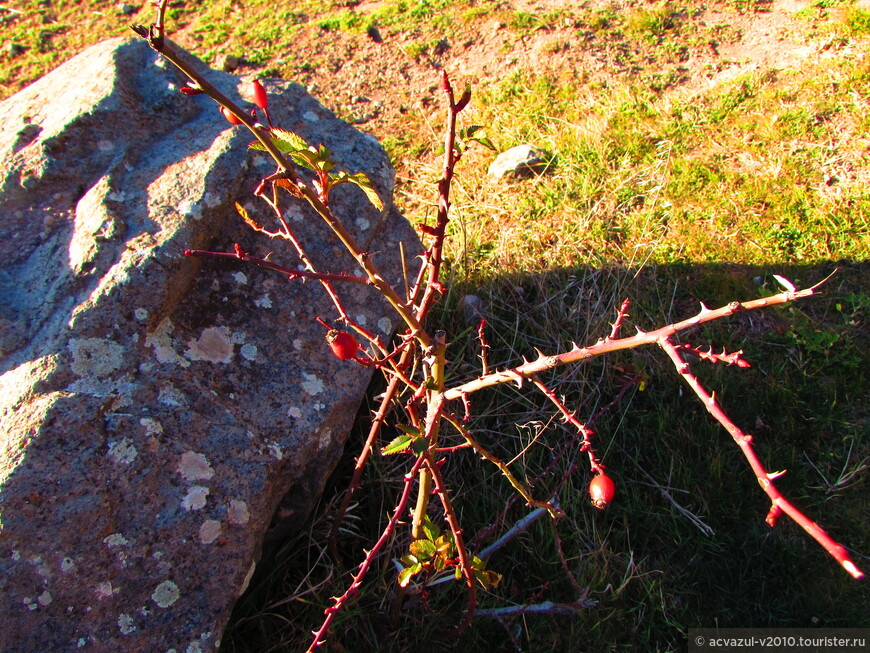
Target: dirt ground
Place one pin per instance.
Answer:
(374, 82)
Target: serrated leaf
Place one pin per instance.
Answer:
(476, 133)
(406, 574)
(422, 549)
(409, 560)
(290, 139)
(409, 430)
(432, 531)
(305, 158)
(398, 445)
(483, 140)
(785, 283)
(361, 180)
(419, 445)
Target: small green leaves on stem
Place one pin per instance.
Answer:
(320, 161)
(472, 133)
(363, 183)
(412, 438)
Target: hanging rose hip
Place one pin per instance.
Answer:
(260, 97)
(230, 116)
(343, 344)
(601, 490)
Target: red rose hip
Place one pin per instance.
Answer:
(343, 344)
(260, 97)
(601, 490)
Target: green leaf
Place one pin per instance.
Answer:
(432, 531)
(406, 574)
(475, 133)
(398, 445)
(444, 545)
(284, 140)
(291, 140)
(419, 445)
(422, 549)
(361, 180)
(409, 430)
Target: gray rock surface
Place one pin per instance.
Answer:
(519, 162)
(155, 409)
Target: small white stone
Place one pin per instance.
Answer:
(194, 467)
(238, 514)
(44, 598)
(385, 325)
(263, 302)
(294, 412)
(240, 278)
(195, 498)
(310, 116)
(312, 384)
(165, 594)
(125, 624)
(209, 531)
(248, 352)
(141, 314)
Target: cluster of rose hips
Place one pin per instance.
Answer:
(261, 99)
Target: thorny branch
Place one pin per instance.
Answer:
(779, 504)
(417, 364)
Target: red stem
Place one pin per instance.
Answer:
(779, 504)
(465, 562)
(338, 603)
(291, 272)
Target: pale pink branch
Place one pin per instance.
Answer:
(779, 504)
(604, 346)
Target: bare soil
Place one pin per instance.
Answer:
(372, 80)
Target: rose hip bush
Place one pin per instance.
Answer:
(422, 401)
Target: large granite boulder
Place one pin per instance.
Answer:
(155, 409)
